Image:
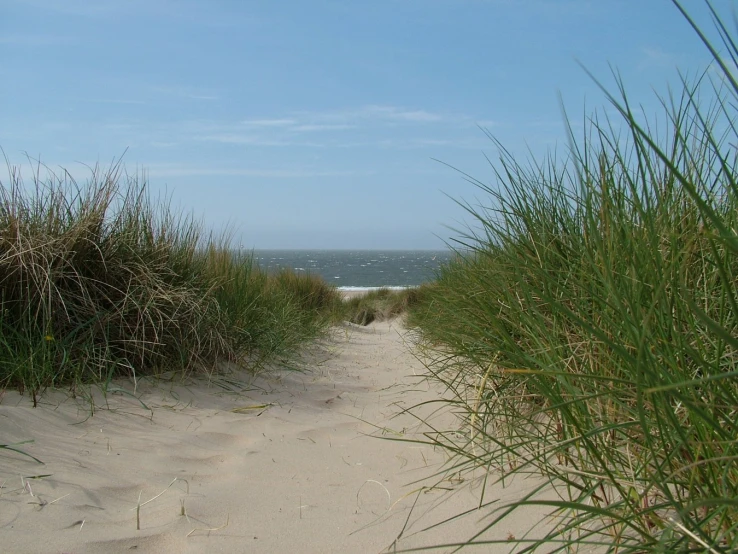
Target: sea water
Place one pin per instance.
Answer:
(359, 269)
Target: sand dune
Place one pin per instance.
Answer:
(292, 462)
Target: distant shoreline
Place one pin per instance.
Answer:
(365, 270)
(354, 292)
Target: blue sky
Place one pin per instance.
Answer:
(314, 123)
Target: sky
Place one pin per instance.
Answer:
(323, 124)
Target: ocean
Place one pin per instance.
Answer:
(359, 269)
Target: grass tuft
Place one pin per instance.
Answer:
(380, 304)
(97, 280)
(587, 329)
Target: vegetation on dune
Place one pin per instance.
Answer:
(98, 281)
(380, 304)
(589, 333)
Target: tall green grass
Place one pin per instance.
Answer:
(98, 280)
(589, 332)
(380, 304)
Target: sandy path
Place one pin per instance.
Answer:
(291, 463)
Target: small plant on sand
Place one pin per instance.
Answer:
(588, 334)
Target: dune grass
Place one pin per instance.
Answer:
(589, 333)
(99, 280)
(380, 304)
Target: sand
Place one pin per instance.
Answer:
(287, 462)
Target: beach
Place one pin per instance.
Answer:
(310, 460)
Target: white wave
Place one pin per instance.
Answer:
(367, 289)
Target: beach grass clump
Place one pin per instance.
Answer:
(305, 304)
(98, 280)
(310, 291)
(267, 315)
(588, 333)
(380, 304)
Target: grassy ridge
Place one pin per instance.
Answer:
(99, 280)
(589, 334)
(380, 304)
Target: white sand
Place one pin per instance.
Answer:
(288, 463)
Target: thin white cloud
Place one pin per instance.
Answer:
(269, 122)
(284, 130)
(113, 101)
(321, 127)
(394, 143)
(393, 113)
(234, 138)
(184, 92)
(345, 119)
(420, 143)
(120, 126)
(164, 170)
(256, 140)
(81, 172)
(420, 116)
(371, 113)
(433, 142)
